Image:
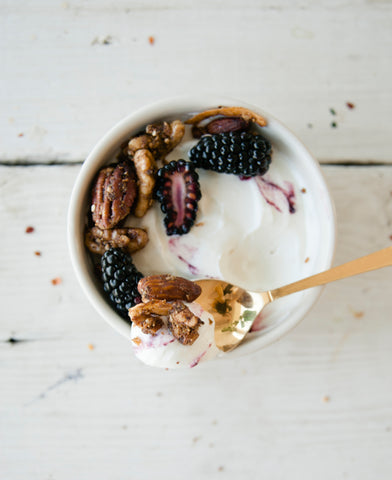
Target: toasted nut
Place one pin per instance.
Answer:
(160, 138)
(227, 124)
(245, 113)
(221, 125)
(113, 195)
(168, 287)
(147, 316)
(146, 172)
(169, 135)
(138, 143)
(183, 324)
(130, 239)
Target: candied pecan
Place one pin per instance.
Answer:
(113, 195)
(130, 239)
(242, 112)
(148, 316)
(168, 287)
(183, 324)
(160, 138)
(146, 173)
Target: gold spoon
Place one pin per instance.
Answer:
(234, 309)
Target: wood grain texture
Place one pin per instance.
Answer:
(70, 70)
(76, 404)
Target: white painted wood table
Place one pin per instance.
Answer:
(74, 402)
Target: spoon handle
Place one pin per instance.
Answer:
(380, 259)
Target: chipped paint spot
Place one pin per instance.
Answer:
(72, 376)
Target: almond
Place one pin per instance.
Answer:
(221, 125)
(227, 124)
(168, 287)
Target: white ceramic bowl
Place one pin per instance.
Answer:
(291, 309)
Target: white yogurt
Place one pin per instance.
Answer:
(251, 233)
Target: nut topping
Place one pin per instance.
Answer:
(148, 316)
(146, 172)
(183, 324)
(162, 296)
(221, 125)
(245, 113)
(130, 239)
(168, 287)
(113, 195)
(159, 138)
(157, 141)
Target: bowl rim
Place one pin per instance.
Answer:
(110, 142)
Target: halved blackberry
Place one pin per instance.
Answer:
(120, 279)
(178, 192)
(238, 153)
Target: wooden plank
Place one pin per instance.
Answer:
(72, 70)
(316, 403)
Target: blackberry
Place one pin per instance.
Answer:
(237, 153)
(178, 192)
(120, 279)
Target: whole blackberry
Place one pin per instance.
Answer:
(120, 279)
(178, 192)
(238, 153)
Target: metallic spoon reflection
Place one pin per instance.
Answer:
(234, 309)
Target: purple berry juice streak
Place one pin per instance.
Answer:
(154, 342)
(257, 324)
(193, 270)
(196, 361)
(181, 250)
(274, 194)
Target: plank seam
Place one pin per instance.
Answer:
(54, 163)
(62, 163)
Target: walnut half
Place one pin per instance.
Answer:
(130, 239)
(183, 324)
(148, 316)
(159, 138)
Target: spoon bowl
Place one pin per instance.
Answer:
(235, 309)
